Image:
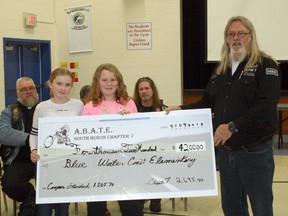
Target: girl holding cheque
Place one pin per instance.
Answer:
(108, 95)
(60, 104)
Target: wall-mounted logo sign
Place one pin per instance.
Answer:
(79, 18)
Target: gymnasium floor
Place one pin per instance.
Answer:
(205, 206)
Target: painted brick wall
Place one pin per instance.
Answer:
(109, 18)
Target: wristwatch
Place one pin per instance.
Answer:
(232, 128)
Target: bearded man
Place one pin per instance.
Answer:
(243, 94)
(15, 126)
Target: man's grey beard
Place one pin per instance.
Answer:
(238, 56)
(30, 102)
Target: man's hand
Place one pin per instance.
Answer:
(222, 134)
(170, 108)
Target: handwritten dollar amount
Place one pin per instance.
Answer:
(175, 180)
(190, 146)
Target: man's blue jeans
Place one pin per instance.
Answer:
(247, 172)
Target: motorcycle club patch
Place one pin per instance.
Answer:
(271, 71)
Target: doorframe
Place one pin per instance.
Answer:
(45, 46)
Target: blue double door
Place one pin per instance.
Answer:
(29, 58)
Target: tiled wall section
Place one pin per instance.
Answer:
(109, 18)
(13, 27)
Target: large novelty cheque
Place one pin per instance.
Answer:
(122, 157)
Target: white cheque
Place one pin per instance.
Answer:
(123, 157)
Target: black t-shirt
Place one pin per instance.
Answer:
(142, 108)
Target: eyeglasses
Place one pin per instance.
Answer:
(26, 89)
(239, 34)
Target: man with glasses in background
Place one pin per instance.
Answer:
(243, 94)
(15, 126)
